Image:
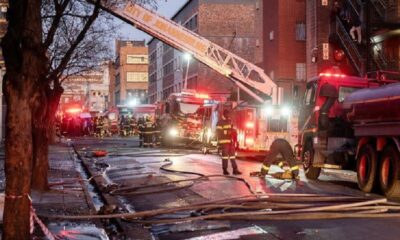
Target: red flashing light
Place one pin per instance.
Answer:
(73, 110)
(332, 75)
(202, 96)
(249, 125)
(249, 141)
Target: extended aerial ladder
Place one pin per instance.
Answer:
(247, 76)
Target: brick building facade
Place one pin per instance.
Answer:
(233, 24)
(131, 72)
(262, 32)
(285, 46)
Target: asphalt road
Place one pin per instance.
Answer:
(128, 165)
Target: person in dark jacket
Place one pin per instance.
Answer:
(148, 132)
(226, 143)
(140, 130)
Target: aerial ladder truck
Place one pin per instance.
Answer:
(244, 74)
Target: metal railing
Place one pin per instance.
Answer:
(349, 46)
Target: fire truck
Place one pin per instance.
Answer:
(259, 125)
(352, 123)
(184, 116)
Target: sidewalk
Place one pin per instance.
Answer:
(69, 195)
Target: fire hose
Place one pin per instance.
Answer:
(273, 206)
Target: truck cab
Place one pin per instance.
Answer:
(325, 136)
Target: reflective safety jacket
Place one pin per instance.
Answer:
(148, 127)
(225, 132)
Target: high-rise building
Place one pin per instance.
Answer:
(252, 29)
(131, 72)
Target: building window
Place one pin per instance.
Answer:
(192, 23)
(117, 79)
(137, 59)
(300, 71)
(137, 76)
(300, 31)
(153, 77)
(117, 97)
(168, 68)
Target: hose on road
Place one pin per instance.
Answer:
(202, 177)
(273, 206)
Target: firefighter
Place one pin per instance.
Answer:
(281, 154)
(157, 132)
(99, 127)
(226, 143)
(141, 129)
(127, 126)
(133, 125)
(148, 132)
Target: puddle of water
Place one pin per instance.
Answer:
(68, 230)
(235, 234)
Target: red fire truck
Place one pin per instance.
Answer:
(353, 123)
(184, 116)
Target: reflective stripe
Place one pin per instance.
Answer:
(224, 141)
(265, 167)
(227, 126)
(232, 158)
(280, 164)
(295, 168)
(219, 127)
(225, 158)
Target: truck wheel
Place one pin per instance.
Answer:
(367, 161)
(389, 172)
(308, 158)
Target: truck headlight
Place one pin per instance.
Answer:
(286, 111)
(173, 132)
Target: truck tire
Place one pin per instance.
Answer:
(367, 162)
(307, 157)
(283, 148)
(389, 172)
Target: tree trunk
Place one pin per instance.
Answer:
(40, 157)
(25, 61)
(18, 165)
(44, 119)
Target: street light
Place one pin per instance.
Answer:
(187, 57)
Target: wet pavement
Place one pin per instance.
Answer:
(132, 168)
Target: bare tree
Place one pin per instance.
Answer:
(45, 40)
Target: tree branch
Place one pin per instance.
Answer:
(69, 53)
(60, 8)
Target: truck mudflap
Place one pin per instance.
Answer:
(281, 154)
